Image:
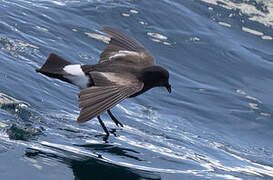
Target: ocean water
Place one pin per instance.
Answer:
(216, 124)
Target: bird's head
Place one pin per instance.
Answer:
(156, 76)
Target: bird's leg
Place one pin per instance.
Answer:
(103, 126)
(114, 119)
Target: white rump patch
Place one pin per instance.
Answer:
(124, 53)
(76, 75)
(74, 69)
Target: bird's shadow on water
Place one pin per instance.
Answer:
(114, 150)
(94, 166)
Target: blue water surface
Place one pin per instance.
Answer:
(216, 124)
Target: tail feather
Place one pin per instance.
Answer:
(54, 67)
(53, 63)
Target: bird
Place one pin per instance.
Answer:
(125, 69)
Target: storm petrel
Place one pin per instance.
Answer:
(125, 69)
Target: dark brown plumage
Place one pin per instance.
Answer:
(125, 70)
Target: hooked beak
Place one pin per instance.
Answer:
(169, 88)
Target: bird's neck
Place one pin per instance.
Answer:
(149, 77)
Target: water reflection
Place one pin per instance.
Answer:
(91, 166)
(108, 148)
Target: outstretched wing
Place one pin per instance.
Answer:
(109, 90)
(125, 49)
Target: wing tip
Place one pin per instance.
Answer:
(81, 120)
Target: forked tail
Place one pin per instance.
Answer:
(57, 67)
(54, 67)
